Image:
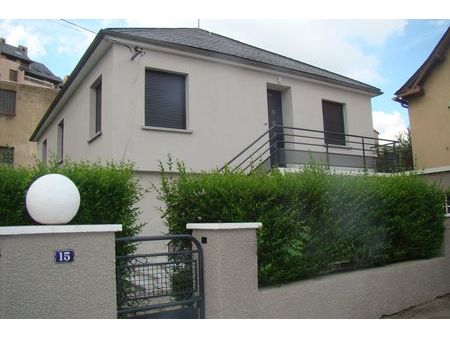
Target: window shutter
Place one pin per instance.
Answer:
(7, 102)
(6, 155)
(98, 108)
(333, 121)
(165, 100)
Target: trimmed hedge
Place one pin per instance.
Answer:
(314, 222)
(108, 192)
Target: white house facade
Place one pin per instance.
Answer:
(141, 94)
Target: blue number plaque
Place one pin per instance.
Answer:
(64, 256)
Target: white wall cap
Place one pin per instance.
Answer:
(58, 229)
(223, 226)
(436, 170)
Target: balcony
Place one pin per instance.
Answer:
(291, 147)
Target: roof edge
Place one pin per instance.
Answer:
(363, 87)
(414, 85)
(70, 79)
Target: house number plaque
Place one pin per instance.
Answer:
(64, 256)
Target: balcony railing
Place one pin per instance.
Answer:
(291, 147)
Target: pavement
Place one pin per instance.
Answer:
(438, 308)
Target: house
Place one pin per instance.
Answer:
(426, 94)
(139, 94)
(27, 88)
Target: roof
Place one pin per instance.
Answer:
(203, 42)
(36, 69)
(40, 70)
(199, 40)
(414, 85)
(14, 52)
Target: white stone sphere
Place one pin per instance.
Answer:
(53, 199)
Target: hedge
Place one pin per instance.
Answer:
(314, 222)
(109, 193)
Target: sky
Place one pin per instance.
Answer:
(382, 53)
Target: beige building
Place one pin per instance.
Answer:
(140, 94)
(427, 96)
(26, 90)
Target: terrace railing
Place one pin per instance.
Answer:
(285, 146)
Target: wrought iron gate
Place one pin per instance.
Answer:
(167, 284)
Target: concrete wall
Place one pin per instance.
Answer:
(431, 112)
(32, 285)
(231, 290)
(15, 131)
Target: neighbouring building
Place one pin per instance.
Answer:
(427, 96)
(27, 88)
(141, 94)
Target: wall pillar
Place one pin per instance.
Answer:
(34, 285)
(230, 268)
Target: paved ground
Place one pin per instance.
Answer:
(436, 309)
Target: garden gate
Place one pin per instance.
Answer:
(158, 285)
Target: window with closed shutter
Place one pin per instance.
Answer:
(7, 102)
(98, 108)
(44, 151)
(333, 122)
(13, 75)
(7, 155)
(165, 100)
(60, 140)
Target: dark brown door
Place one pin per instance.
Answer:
(333, 122)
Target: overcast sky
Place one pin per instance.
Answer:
(383, 53)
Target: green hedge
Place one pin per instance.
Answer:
(314, 222)
(108, 192)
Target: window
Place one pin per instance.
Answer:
(333, 122)
(60, 141)
(44, 152)
(7, 102)
(165, 100)
(96, 107)
(447, 204)
(6, 155)
(12, 75)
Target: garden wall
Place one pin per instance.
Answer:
(231, 282)
(34, 284)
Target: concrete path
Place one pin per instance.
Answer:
(436, 309)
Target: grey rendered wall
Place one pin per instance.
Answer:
(226, 108)
(33, 286)
(232, 292)
(76, 115)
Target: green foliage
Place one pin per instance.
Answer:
(313, 221)
(108, 192)
(398, 158)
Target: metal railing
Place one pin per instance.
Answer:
(166, 284)
(285, 146)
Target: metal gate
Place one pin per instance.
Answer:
(166, 284)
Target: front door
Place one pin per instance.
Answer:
(275, 123)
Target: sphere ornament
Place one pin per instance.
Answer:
(53, 199)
